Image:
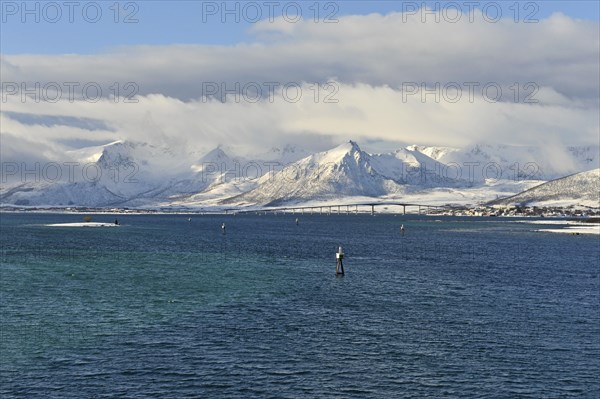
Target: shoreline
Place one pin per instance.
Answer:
(448, 210)
(83, 224)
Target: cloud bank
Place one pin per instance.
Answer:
(392, 79)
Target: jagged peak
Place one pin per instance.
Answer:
(217, 151)
(339, 154)
(354, 145)
(124, 149)
(116, 147)
(218, 157)
(127, 147)
(348, 147)
(219, 154)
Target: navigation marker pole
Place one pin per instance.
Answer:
(339, 268)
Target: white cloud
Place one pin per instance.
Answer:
(363, 113)
(370, 56)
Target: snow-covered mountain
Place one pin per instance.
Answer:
(128, 174)
(215, 159)
(344, 171)
(116, 174)
(410, 166)
(482, 161)
(218, 167)
(580, 189)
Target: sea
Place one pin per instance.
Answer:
(172, 306)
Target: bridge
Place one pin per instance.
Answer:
(338, 208)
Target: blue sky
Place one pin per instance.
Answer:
(190, 22)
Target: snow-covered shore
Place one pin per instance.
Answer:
(83, 224)
(570, 227)
(594, 229)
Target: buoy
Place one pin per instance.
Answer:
(297, 221)
(402, 229)
(189, 219)
(339, 268)
(223, 228)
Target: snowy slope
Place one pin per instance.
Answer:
(343, 171)
(122, 172)
(215, 159)
(579, 189)
(483, 161)
(410, 166)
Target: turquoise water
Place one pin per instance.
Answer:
(162, 307)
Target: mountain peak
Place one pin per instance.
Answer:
(215, 155)
(345, 148)
(116, 153)
(354, 145)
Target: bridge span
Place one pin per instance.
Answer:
(340, 208)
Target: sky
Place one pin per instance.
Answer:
(254, 75)
(78, 28)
